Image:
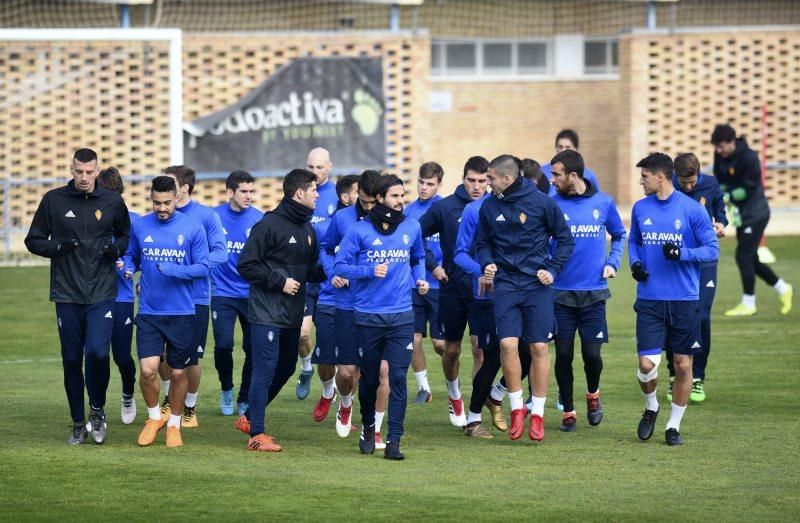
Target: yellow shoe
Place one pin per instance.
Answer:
(498, 420)
(174, 437)
(742, 310)
(786, 300)
(149, 432)
(189, 418)
(165, 409)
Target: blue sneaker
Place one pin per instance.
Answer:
(303, 384)
(559, 406)
(243, 406)
(226, 402)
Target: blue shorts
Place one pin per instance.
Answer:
(673, 325)
(455, 313)
(200, 330)
(485, 329)
(312, 293)
(426, 312)
(525, 314)
(588, 321)
(346, 338)
(176, 332)
(325, 351)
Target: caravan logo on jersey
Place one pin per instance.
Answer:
(586, 230)
(388, 255)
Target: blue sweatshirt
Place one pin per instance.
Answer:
(124, 286)
(236, 225)
(363, 247)
(589, 217)
(514, 230)
(415, 210)
(325, 208)
(217, 252)
(171, 255)
(465, 245)
(708, 193)
(443, 218)
(341, 222)
(679, 220)
(588, 174)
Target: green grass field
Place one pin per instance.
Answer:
(740, 462)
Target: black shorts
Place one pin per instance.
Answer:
(426, 312)
(673, 325)
(176, 332)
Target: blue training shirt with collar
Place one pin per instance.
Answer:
(363, 247)
(679, 220)
(588, 174)
(589, 217)
(324, 209)
(217, 252)
(125, 292)
(236, 225)
(415, 210)
(709, 194)
(465, 245)
(170, 254)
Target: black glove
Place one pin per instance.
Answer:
(111, 251)
(67, 247)
(672, 252)
(638, 272)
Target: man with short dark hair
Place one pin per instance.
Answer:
(568, 140)
(83, 229)
(280, 256)
(532, 171)
(426, 307)
(347, 191)
(229, 290)
(514, 231)
(171, 250)
(122, 333)
(671, 235)
(738, 171)
(582, 286)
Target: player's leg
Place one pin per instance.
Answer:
(324, 357)
(650, 340)
(347, 367)
(454, 312)
(683, 336)
(121, 342)
(287, 362)
(381, 403)
(397, 354)
(303, 387)
(149, 349)
(422, 315)
(71, 333)
(593, 330)
(223, 321)
(473, 322)
(539, 327)
(247, 347)
(99, 320)
(481, 386)
(369, 363)
(193, 371)
(265, 341)
(763, 271)
(567, 320)
(181, 344)
(746, 255)
(508, 320)
(708, 288)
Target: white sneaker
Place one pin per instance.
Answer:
(457, 416)
(128, 410)
(379, 443)
(343, 421)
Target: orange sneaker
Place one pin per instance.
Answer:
(148, 434)
(536, 431)
(517, 423)
(263, 443)
(174, 437)
(243, 425)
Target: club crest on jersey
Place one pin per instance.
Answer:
(596, 214)
(385, 226)
(181, 239)
(523, 217)
(98, 214)
(270, 336)
(331, 209)
(677, 225)
(247, 232)
(566, 217)
(731, 171)
(405, 239)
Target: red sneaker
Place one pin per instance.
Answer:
(321, 408)
(536, 431)
(263, 443)
(343, 424)
(457, 417)
(243, 425)
(517, 423)
(379, 444)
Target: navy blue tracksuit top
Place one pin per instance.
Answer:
(514, 231)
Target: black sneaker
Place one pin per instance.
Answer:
(594, 409)
(673, 437)
(79, 433)
(97, 425)
(392, 451)
(366, 443)
(647, 424)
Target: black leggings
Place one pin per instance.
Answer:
(482, 382)
(747, 256)
(592, 366)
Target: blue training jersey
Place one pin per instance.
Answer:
(125, 292)
(171, 254)
(236, 225)
(325, 208)
(588, 174)
(415, 210)
(217, 252)
(679, 220)
(465, 245)
(341, 222)
(363, 247)
(589, 217)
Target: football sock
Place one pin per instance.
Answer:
(346, 401)
(452, 389)
(675, 417)
(422, 379)
(538, 406)
(498, 392)
(165, 387)
(154, 412)
(516, 400)
(651, 401)
(191, 399)
(174, 420)
(305, 363)
(378, 420)
(749, 300)
(782, 287)
(473, 417)
(327, 389)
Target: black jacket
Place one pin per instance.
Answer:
(96, 220)
(740, 176)
(282, 245)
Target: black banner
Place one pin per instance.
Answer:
(335, 103)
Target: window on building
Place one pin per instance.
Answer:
(600, 57)
(489, 57)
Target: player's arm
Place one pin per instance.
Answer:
(327, 246)
(564, 242)
(430, 223)
(749, 176)
(708, 246)
(616, 230)
(38, 240)
(218, 251)
(484, 244)
(199, 251)
(346, 256)
(634, 240)
(316, 272)
(252, 262)
(718, 204)
(464, 242)
(417, 258)
(133, 255)
(121, 228)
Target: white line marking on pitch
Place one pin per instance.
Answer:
(16, 362)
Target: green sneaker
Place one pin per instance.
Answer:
(669, 390)
(698, 394)
(741, 310)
